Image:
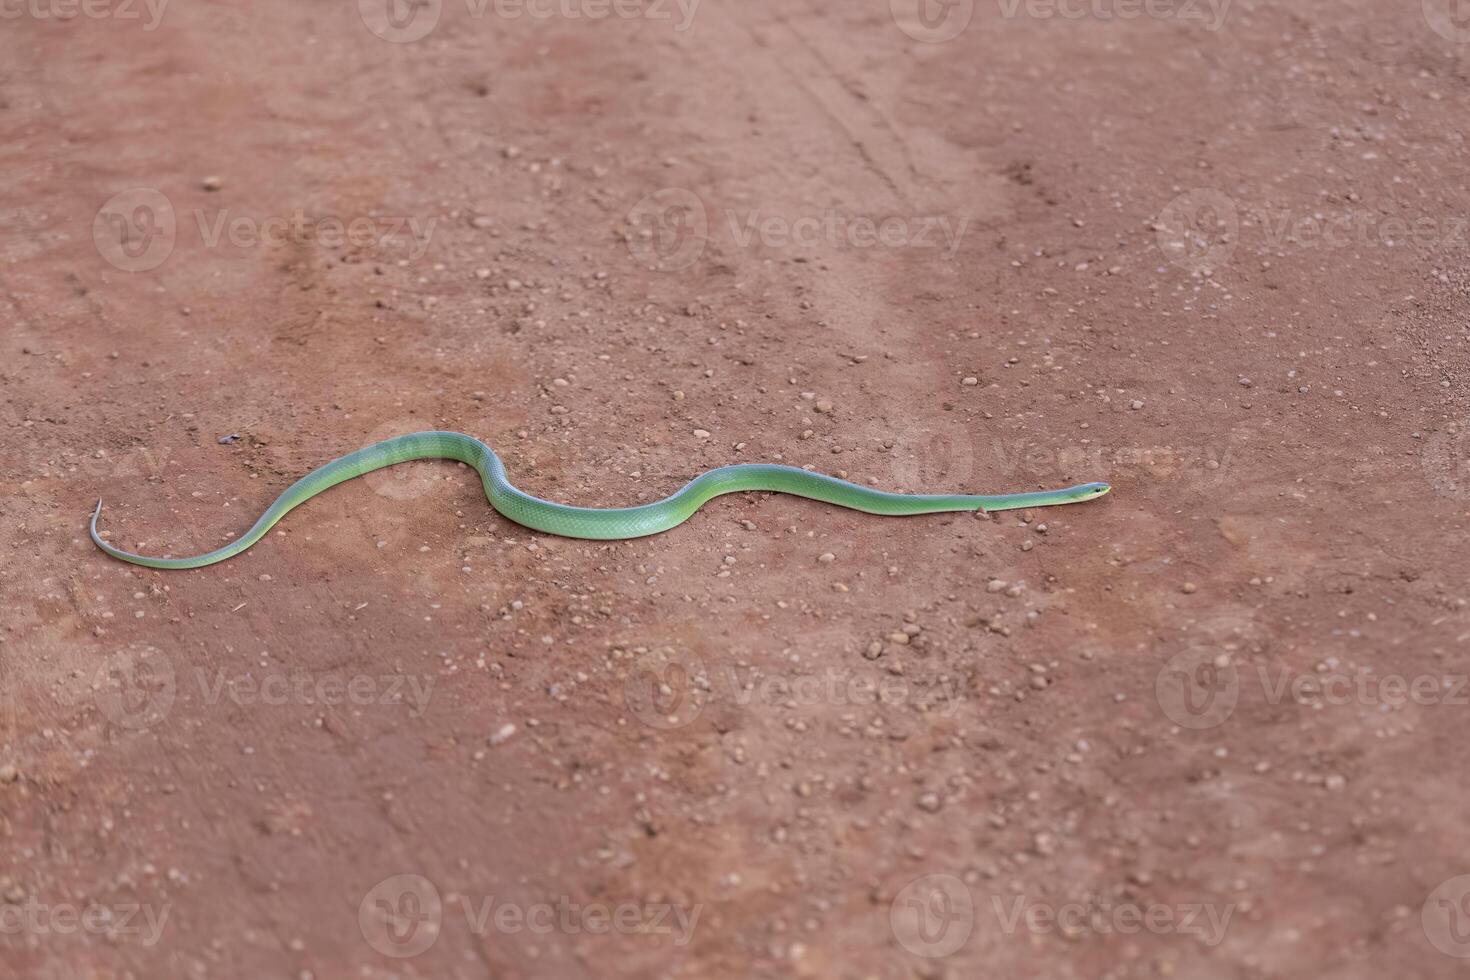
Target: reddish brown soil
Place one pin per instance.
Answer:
(1224, 270)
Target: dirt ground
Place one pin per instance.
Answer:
(1210, 726)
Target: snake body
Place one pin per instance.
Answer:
(601, 524)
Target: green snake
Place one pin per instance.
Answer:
(602, 524)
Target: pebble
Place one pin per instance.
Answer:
(930, 802)
(8, 773)
(824, 406)
(971, 382)
(1135, 404)
(503, 734)
(1189, 588)
(212, 183)
(826, 558)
